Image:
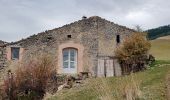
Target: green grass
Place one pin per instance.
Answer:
(151, 84)
(159, 62)
(160, 48)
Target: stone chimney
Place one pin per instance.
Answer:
(84, 17)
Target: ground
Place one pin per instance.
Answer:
(152, 84)
(161, 48)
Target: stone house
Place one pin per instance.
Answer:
(86, 45)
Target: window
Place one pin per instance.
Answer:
(117, 38)
(68, 36)
(69, 58)
(15, 53)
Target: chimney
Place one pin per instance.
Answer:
(84, 17)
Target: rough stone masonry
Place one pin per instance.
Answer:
(86, 45)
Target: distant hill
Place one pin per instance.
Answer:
(158, 32)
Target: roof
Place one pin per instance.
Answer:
(64, 26)
(2, 43)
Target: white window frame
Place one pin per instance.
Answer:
(69, 58)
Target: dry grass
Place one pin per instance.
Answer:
(147, 85)
(160, 48)
(4, 71)
(165, 37)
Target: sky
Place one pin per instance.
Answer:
(22, 18)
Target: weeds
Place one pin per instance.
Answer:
(30, 79)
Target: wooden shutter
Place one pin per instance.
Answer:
(109, 68)
(100, 69)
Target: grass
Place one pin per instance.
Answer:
(161, 49)
(152, 86)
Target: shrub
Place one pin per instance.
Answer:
(30, 79)
(132, 53)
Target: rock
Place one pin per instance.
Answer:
(61, 87)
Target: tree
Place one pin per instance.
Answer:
(138, 28)
(132, 53)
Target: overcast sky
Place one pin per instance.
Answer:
(22, 18)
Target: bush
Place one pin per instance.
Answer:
(133, 53)
(30, 79)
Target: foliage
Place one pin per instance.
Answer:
(158, 32)
(30, 80)
(132, 53)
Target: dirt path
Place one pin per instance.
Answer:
(168, 85)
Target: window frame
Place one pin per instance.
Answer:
(18, 53)
(68, 60)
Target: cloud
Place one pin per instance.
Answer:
(21, 18)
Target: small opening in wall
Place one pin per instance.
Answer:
(1, 53)
(68, 36)
(118, 38)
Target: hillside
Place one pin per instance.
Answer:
(158, 32)
(161, 48)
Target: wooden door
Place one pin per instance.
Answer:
(105, 68)
(109, 68)
(100, 68)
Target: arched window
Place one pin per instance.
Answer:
(70, 59)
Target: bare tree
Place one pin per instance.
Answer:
(138, 28)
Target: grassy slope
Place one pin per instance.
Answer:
(161, 48)
(152, 82)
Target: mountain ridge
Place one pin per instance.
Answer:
(158, 32)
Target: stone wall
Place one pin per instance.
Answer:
(107, 32)
(95, 34)
(3, 59)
